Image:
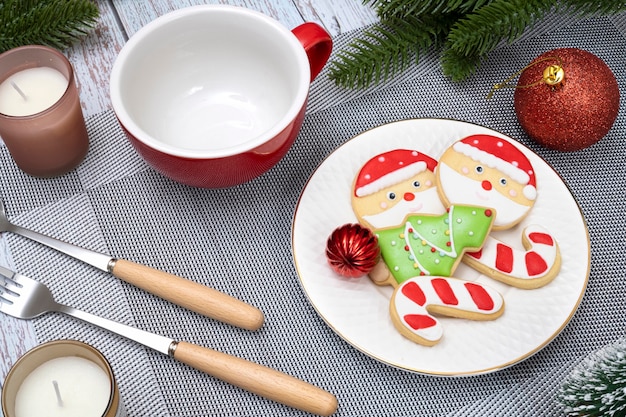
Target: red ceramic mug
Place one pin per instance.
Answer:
(213, 96)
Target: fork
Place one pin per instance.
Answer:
(23, 297)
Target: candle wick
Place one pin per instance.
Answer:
(58, 393)
(19, 90)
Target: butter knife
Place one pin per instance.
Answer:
(183, 292)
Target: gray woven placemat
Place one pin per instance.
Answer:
(238, 240)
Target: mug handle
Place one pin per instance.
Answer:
(317, 44)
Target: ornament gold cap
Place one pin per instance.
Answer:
(553, 76)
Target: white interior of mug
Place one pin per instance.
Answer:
(209, 81)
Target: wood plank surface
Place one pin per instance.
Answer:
(336, 17)
(93, 57)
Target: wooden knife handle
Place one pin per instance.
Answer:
(191, 295)
(258, 379)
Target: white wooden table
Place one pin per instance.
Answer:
(93, 58)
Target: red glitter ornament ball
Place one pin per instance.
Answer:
(352, 250)
(572, 113)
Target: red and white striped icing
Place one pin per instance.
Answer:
(529, 264)
(415, 296)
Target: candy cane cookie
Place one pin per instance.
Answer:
(535, 266)
(416, 301)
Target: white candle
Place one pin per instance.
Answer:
(41, 88)
(85, 389)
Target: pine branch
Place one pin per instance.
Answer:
(458, 66)
(481, 31)
(387, 48)
(401, 8)
(472, 29)
(55, 23)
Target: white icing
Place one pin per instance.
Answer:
(530, 192)
(460, 189)
(426, 202)
(405, 306)
(408, 235)
(407, 242)
(394, 177)
(493, 161)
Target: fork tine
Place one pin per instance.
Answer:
(23, 297)
(6, 284)
(9, 279)
(3, 286)
(3, 211)
(6, 276)
(19, 284)
(7, 296)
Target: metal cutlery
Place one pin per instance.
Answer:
(25, 298)
(183, 292)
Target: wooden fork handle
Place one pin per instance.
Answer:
(191, 295)
(258, 379)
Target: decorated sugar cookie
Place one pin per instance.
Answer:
(394, 184)
(491, 171)
(431, 244)
(488, 171)
(532, 267)
(395, 195)
(416, 303)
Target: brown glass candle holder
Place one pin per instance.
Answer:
(51, 141)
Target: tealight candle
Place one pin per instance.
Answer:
(61, 379)
(41, 120)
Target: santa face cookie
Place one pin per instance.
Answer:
(488, 171)
(393, 184)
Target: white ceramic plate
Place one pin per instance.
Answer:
(358, 310)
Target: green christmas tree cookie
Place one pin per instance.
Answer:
(434, 245)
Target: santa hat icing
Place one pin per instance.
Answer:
(391, 168)
(502, 155)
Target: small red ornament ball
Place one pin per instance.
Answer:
(574, 113)
(352, 250)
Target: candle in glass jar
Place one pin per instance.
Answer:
(62, 378)
(41, 119)
(84, 389)
(31, 91)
